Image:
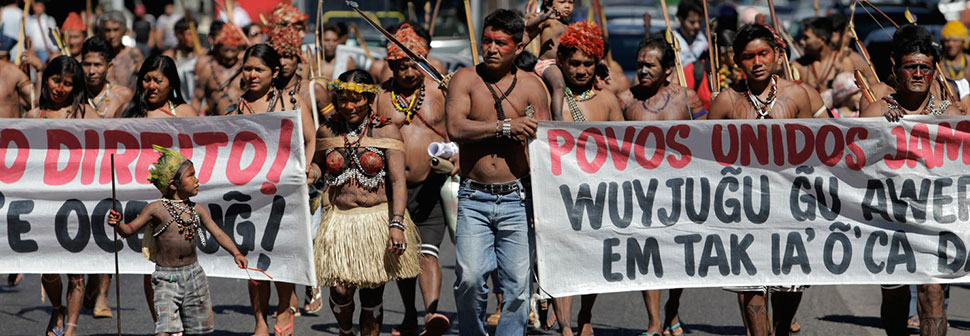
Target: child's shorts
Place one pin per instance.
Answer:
(182, 300)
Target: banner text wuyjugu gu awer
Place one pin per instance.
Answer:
(55, 191)
(678, 174)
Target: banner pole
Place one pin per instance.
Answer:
(114, 202)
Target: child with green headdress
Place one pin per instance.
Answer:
(174, 221)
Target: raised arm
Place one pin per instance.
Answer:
(556, 84)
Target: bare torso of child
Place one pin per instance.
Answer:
(549, 38)
(174, 249)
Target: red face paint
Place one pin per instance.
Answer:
(916, 68)
(503, 42)
(754, 60)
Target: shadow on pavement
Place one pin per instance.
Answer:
(865, 321)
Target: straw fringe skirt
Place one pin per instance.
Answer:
(350, 248)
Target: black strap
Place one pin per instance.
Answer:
(498, 100)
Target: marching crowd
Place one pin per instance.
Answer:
(380, 199)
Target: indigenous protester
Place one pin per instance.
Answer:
(158, 94)
(693, 44)
(416, 105)
(764, 96)
(363, 157)
(217, 76)
(113, 27)
(581, 48)
(913, 57)
(62, 96)
(73, 31)
(332, 34)
(955, 42)
(180, 285)
(185, 46)
(549, 26)
(261, 80)
(821, 61)
(490, 114)
(655, 97)
(847, 55)
(107, 99)
(20, 93)
(379, 68)
(844, 96)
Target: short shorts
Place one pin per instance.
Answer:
(425, 208)
(182, 300)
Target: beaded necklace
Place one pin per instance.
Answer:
(103, 99)
(763, 108)
(930, 108)
(296, 86)
(574, 110)
(662, 107)
(67, 115)
(272, 102)
(410, 109)
(187, 227)
(956, 72)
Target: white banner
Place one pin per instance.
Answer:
(633, 206)
(55, 192)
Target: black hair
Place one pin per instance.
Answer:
(839, 21)
(506, 21)
(138, 106)
(911, 39)
(182, 25)
(354, 76)
(687, 6)
(339, 27)
(660, 44)
(97, 44)
(268, 55)
(821, 27)
(726, 37)
(753, 32)
(215, 27)
(65, 66)
(526, 61)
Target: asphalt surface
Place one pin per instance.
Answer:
(825, 310)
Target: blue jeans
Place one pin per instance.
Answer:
(494, 233)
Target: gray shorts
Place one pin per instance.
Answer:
(182, 300)
(424, 207)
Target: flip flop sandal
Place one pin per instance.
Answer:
(437, 325)
(650, 334)
(279, 331)
(314, 296)
(913, 322)
(102, 312)
(671, 329)
(493, 320)
(57, 331)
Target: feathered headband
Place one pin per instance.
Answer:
(285, 40)
(410, 39)
(285, 14)
(339, 85)
(229, 36)
(165, 168)
(584, 36)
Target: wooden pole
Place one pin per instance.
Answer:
(313, 93)
(711, 52)
(677, 61)
(863, 84)
(778, 29)
(471, 32)
(361, 41)
(88, 18)
(114, 202)
(434, 17)
(22, 34)
(862, 50)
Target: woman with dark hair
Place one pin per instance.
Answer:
(62, 92)
(158, 91)
(260, 76)
(364, 240)
(62, 96)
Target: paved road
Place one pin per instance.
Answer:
(829, 310)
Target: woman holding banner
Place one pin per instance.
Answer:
(62, 96)
(260, 78)
(157, 95)
(364, 240)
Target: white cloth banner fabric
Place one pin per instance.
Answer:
(55, 192)
(626, 206)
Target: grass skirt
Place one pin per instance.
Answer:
(350, 248)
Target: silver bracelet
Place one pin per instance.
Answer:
(396, 225)
(507, 128)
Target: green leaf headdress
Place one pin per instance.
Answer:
(164, 170)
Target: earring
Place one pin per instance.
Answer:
(175, 93)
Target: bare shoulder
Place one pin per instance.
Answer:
(953, 109)
(531, 80)
(201, 209)
(463, 78)
(122, 92)
(876, 109)
(625, 97)
(389, 131)
(33, 113)
(185, 110)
